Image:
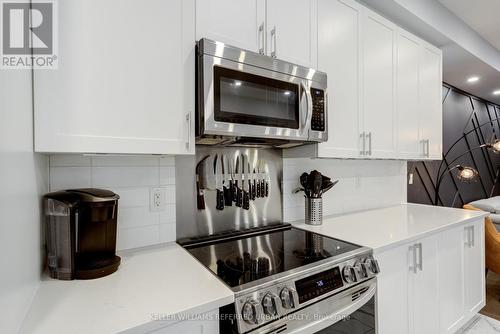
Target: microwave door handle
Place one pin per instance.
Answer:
(308, 114)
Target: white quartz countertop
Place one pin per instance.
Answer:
(156, 282)
(381, 229)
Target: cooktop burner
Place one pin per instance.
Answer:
(250, 258)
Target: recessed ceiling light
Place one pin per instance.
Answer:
(497, 92)
(472, 79)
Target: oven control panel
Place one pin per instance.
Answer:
(273, 302)
(318, 113)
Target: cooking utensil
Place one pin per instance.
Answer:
(254, 186)
(317, 185)
(200, 196)
(227, 182)
(250, 184)
(246, 195)
(304, 182)
(258, 191)
(219, 204)
(239, 180)
(328, 187)
(264, 188)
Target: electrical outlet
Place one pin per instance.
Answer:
(410, 180)
(157, 199)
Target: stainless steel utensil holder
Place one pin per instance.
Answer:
(314, 211)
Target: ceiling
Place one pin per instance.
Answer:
(458, 64)
(480, 15)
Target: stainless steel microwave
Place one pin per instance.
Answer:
(250, 99)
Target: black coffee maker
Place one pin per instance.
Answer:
(81, 233)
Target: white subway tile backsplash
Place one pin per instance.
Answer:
(136, 217)
(131, 177)
(69, 177)
(167, 175)
(363, 184)
(138, 237)
(125, 176)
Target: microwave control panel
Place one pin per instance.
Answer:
(318, 112)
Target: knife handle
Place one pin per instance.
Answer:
(267, 189)
(234, 191)
(228, 199)
(258, 189)
(220, 200)
(250, 190)
(254, 190)
(200, 197)
(246, 200)
(239, 197)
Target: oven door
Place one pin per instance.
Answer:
(352, 311)
(241, 100)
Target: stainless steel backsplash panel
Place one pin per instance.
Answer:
(194, 223)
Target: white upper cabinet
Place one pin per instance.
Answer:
(431, 101)
(292, 31)
(408, 105)
(339, 57)
(287, 32)
(239, 23)
(379, 60)
(120, 88)
(384, 87)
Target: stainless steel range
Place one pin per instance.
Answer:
(287, 280)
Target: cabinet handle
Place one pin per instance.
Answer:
(473, 236)
(369, 143)
(420, 264)
(188, 122)
(413, 267)
(273, 42)
(427, 148)
(467, 236)
(363, 138)
(423, 147)
(260, 37)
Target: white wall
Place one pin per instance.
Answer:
(131, 177)
(23, 179)
(363, 184)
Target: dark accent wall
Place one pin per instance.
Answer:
(461, 113)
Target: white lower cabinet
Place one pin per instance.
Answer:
(206, 323)
(432, 285)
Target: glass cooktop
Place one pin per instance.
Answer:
(251, 258)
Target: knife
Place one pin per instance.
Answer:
(219, 204)
(264, 188)
(254, 186)
(239, 193)
(246, 195)
(249, 174)
(200, 197)
(258, 192)
(227, 183)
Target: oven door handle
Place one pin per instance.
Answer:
(315, 326)
(308, 111)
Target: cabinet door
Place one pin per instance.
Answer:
(292, 31)
(474, 269)
(408, 109)
(339, 56)
(424, 288)
(451, 279)
(235, 22)
(379, 69)
(431, 110)
(392, 291)
(125, 82)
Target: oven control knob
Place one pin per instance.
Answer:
(372, 265)
(361, 269)
(269, 304)
(249, 312)
(349, 274)
(286, 296)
